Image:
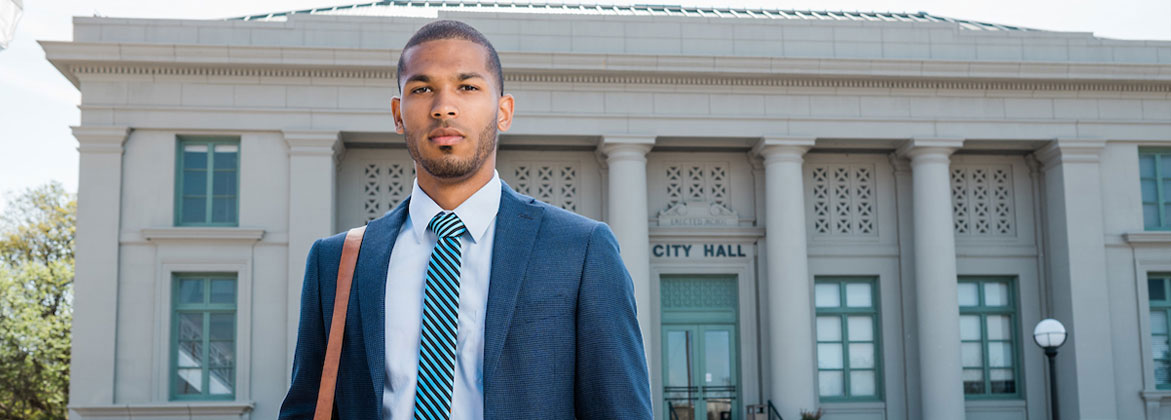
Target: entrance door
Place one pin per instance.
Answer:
(700, 369)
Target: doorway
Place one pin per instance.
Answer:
(701, 377)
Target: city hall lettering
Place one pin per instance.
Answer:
(709, 250)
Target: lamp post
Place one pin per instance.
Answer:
(1050, 334)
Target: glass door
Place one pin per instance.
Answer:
(699, 372)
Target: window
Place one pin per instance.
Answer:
(988, 343)
(1155, 177)
(206, 194)
(1158, 287)
(848, 367)
(203, 337)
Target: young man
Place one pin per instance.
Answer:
(470, 301)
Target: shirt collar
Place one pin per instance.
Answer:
(477, 212)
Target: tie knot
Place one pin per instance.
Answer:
(447, 225)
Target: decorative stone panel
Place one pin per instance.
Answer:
(707, 182)
(386, 184)
(699, 292)
(555, 183)
(843, 200)
(981, 197)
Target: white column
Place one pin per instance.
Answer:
(942, 395)
(627, 215)
(312, 180)
(1078, 276)
(95, 287)
(790, 313)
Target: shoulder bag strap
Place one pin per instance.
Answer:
(333, 350)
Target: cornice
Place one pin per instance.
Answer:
(612, 77)
(79, 59)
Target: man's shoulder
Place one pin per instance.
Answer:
(330, 247)
(563, 221)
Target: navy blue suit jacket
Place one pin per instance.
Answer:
(561, 340)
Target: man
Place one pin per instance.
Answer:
(469, 300)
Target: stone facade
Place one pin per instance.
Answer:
(909, 152)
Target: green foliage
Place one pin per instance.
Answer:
(812, 415)
(36, 280)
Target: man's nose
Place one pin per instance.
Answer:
(444, 108)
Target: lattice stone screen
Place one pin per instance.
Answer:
(555, 183)
(981, 197)
(386, 184)
(697, 182)
(843, 200)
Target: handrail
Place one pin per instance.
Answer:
(772, 409)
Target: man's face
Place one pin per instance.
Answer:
(449, 111)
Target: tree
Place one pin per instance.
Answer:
(37, 232)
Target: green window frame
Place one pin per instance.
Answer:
(989, 343)
(849, 339)
(1159, 296)
(207, 181)
(1155, 179)
(203, 336)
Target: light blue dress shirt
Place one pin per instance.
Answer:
(405, 279)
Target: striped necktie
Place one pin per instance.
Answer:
(440, 322)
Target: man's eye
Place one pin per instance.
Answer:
(420, 89)
(469, 87)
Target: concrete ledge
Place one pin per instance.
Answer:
(224, 409)
(202, 233)
(1153, 238)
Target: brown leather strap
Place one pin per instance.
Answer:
(341, 300)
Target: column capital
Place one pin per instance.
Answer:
(313, 142)
(1070, 150)
(625, 146)
(898, 164)
(100, 139)
(782, 148)
(931, 147)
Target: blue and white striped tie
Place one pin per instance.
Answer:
(440, 322)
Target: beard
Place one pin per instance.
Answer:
(448, 165)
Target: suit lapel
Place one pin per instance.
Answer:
(373, 260)
(516, 227)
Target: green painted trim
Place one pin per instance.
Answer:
(982, 311)
(844, 312)
(1162, 307)
(205, 309)
(1162, 202)
(209, 188)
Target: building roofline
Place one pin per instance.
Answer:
(391, 6)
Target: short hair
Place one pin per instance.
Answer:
(451, 29)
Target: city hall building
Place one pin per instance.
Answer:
(860, 212)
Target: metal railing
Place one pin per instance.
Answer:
(772, 411)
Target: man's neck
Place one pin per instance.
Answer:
(449, 194)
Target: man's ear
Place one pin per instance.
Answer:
(395, 103)
(504, 112)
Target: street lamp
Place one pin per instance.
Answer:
(1050, 334)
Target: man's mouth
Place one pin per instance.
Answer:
(446, 140)
(445, 136)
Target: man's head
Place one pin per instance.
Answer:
(452, 104)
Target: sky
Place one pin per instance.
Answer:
(38, 105)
